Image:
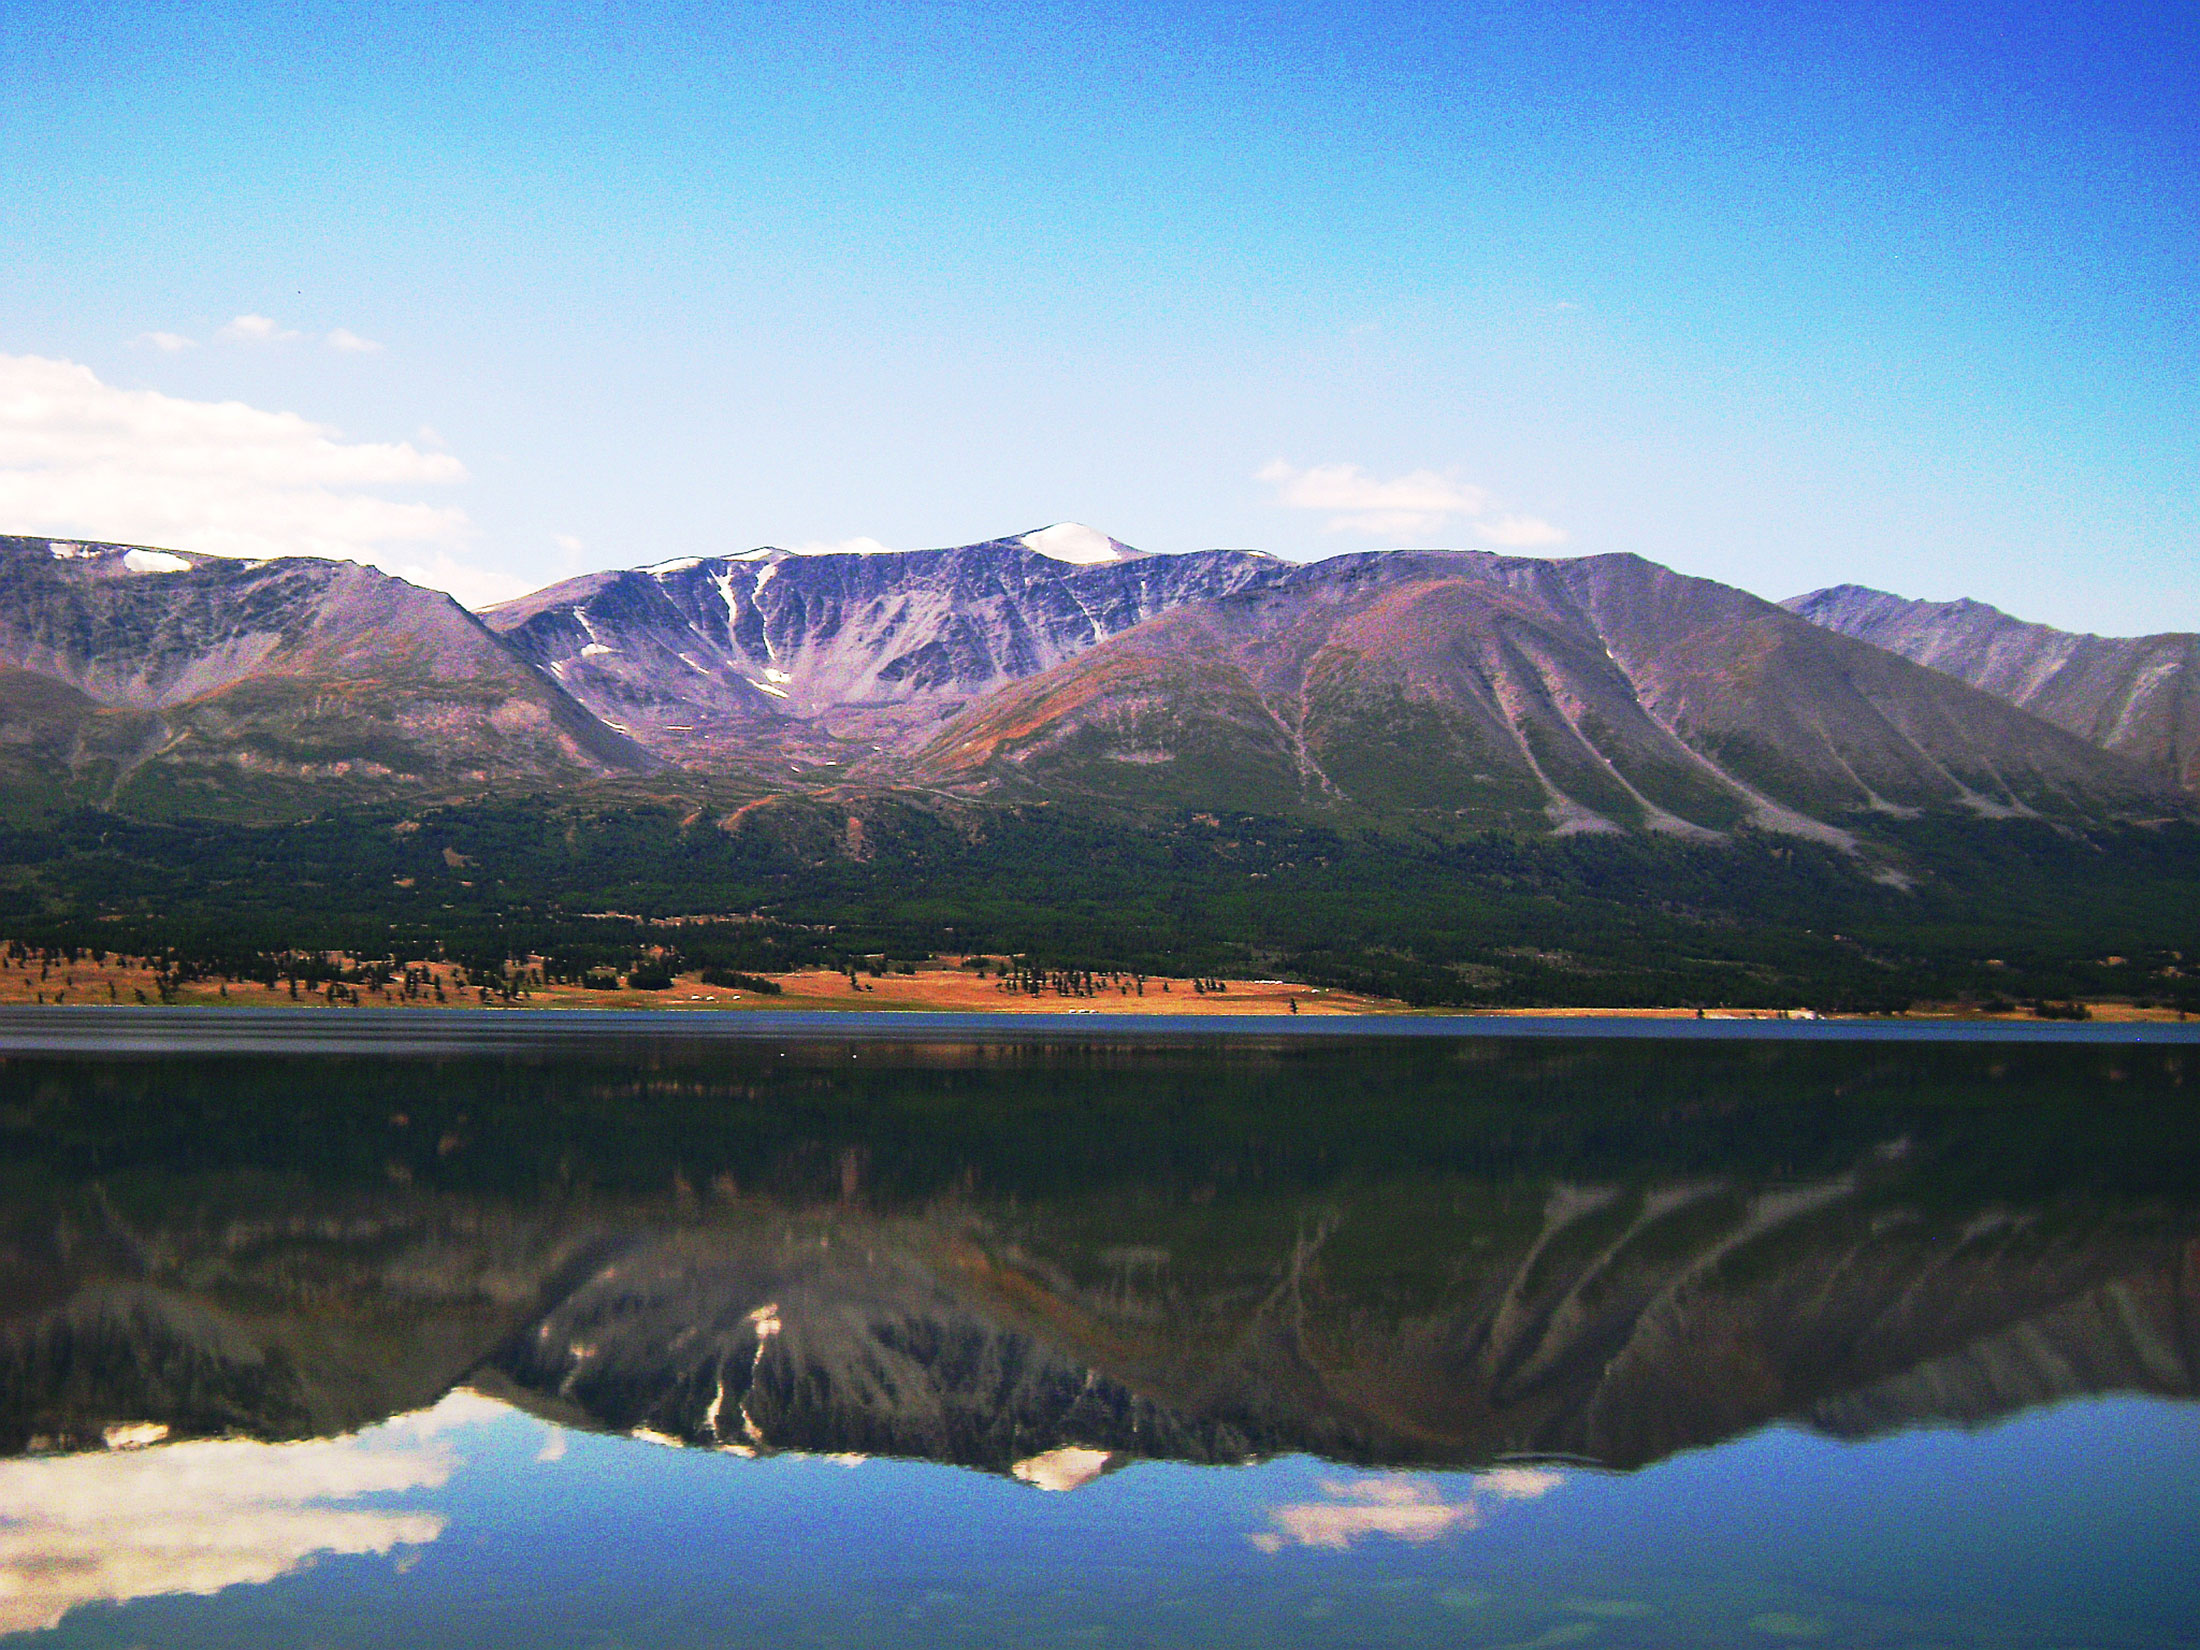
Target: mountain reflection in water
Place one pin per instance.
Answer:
(1046, 1262)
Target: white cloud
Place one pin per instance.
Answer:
(1415, 504)
(349, 342)
(82, 459)
(472, 587)
(166, 342)
(841, 547)
(257, 329)
(567, 542)
(1518, 532)
(1418, 502)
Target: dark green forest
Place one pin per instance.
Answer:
(1936, 909)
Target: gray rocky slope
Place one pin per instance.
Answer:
(2136, 695)
(178, 682)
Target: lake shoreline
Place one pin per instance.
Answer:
(925, 990)
(89, 1027)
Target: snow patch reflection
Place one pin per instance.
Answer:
(1067, 1468)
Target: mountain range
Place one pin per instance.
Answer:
(1603, 693)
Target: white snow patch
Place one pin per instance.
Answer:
(688, 659)
(64, 551)
(679, 564)
(155, 561)
(1077, 544)
(595, 643)
(1068, 1468)
(766, 687)
(650, 1435)
(763, 577)
(777, 676)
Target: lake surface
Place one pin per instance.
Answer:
(341, 1333)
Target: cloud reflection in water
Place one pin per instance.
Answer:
(197, 1517)
(1402, 1507)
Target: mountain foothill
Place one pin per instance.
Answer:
(1454, 689)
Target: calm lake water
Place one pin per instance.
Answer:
(504, 1334)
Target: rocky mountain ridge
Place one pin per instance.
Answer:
(770, 654)
(2138, 696)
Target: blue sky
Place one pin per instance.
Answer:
(1779, 294)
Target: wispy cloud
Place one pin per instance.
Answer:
(80, 458)
(1518, 532)
(1416, 504)
(257, 329)
(260, 329)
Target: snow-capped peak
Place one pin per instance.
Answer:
(1078, 544)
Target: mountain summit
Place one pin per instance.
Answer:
(1079, 545)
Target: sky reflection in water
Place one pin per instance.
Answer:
(457, 1526)
(1504, 1347)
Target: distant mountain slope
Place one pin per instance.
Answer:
(1585, 694)
(767, 654)
(2136, 695)
(193, 684)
